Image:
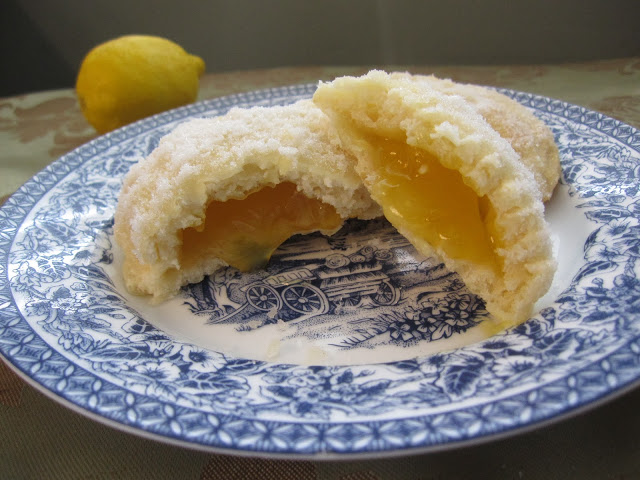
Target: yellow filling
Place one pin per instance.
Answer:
(433, 202)
(245, 232)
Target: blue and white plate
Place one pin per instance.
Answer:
(345, 346)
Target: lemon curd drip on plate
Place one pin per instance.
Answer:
(245, 232)
(431, 201)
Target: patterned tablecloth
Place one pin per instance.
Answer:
(41, 439)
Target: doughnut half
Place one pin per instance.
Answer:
(228, 190)
(449, 183)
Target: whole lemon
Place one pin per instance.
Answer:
(134, 76)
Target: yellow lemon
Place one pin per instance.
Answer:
(134, 76)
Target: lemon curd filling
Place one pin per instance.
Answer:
(432, 202)
(245, 232)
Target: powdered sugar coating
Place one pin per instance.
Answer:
(528, 135)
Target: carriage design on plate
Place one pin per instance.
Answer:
(317, 288)
(314, 289)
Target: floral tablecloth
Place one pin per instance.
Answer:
(40, 438)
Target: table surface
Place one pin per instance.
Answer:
(41, 439)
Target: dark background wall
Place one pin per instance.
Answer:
(44, 41)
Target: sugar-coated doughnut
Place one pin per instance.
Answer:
(219, 184)
(449, 182)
